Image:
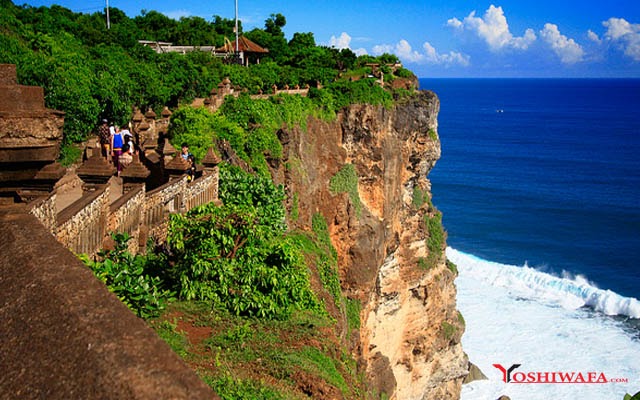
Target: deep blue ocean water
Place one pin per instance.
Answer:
(539, 186)
(544, 172)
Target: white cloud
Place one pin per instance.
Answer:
(344, 42)
(494, 29)
(177, 14)
(360, 51)
(382, 48)
(406, 53)
(455, 23)
(567, 49)
(432, 56)
(341, 42)
(593, 36)
(626, 34)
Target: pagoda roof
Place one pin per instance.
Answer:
(244, 45)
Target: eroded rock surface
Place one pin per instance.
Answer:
(409, 341)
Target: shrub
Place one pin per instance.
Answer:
(420, 197)
(452, 267)
(125, 276)
(237, 257)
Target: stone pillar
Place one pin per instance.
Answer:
(30, 137)
(167, 151)
(134, 174)
(210, 160)
(176, 168)
(96, 170)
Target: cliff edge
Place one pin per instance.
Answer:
(409, 339)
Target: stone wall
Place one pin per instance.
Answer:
(65, 336)
(125, 216)
(82, 226)
(85, 225)
(160, 203)
(203, 190)
(45, 211)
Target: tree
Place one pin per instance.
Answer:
(272, 38)
(225, 28)
(274, 24)
(155, 26)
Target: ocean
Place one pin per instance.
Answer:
(539, 186)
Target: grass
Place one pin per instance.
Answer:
(178, 342)
(435, 241)
(250, 358)
(448, 330)
(346, 181)
(452, 267)
(353, 313)
(70, 154)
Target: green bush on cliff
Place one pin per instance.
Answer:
(363, 91)
(236, 256)
(435, 241)
(327, 258)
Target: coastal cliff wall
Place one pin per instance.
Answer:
(409, 340)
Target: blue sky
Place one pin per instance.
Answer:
(445, 38)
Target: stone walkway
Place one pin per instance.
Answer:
(69, 190)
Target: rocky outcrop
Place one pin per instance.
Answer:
(409, 341)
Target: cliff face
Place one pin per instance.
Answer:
(409, 340)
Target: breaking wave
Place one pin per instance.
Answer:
(531, 284)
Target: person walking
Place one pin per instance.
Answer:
(104, 136)
(116, 148)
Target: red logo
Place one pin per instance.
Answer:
(509, 376)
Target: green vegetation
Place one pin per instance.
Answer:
(630, 397)
(168, 331)
(326, 258)
(353, 313)
(260, 358)
(448, 330)
(452, 267)
(235, 269)
(420, 197)
(461, 320)
(69, 154)
(435, 240)
(128, 277)
(91, 73)
(295, 207)
(237, 256)
(346, 181)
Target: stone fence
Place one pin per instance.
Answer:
(85, 225)
(225, 88)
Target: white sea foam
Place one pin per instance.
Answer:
(518, 315)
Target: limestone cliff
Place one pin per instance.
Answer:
(409, 340)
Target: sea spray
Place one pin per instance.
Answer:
(518, 315)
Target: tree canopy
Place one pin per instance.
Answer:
(91, 72)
